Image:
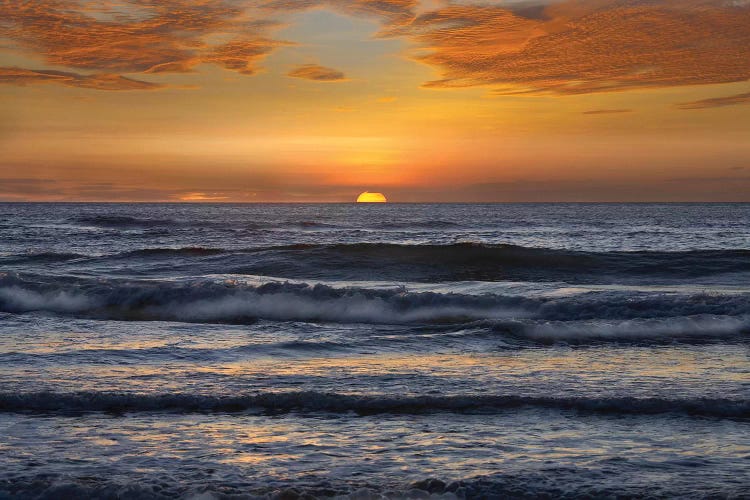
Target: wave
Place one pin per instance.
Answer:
(156, 252)
(305, 224)
(40, 257)
(695, 329)
(426, 224)
(234, 302)
(603, 316)
(474, 261)
(123, 221)
(430, 263)
(285, 402)
(124, 354)
(173, 252)
(552, 481)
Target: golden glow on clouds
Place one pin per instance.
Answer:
(568, 47)
(580, 47)
(313, 100)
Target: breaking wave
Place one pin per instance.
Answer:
(234, 302)
(285, 402)
(593, 316)
(693, 329)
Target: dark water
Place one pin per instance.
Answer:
(232, 351)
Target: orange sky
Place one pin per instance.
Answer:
(320, 100)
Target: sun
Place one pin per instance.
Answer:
(368, 197)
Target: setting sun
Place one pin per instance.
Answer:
(368, 197)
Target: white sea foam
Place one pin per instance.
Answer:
(595, 315)
(703, 326)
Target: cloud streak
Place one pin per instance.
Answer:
(607, 111)
(393, 12)
(20, 76)
(717, 102)
(317, 73)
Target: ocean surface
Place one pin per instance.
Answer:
(299, 351)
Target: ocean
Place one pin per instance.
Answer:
(374, 351)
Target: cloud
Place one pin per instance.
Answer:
(241, 55)
(607, 111)
(51, 189)
(579, 47)
(392, 11)
(141, 36)
(20, 76)
(513, 48)
(66, 34)
(718, 179)
(717, 102)
(317, 73)
(195, 197)
(728, 188)
(25, 188)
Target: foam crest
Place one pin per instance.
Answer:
(689, 328)
(208, 301)
(590, 316)
(18, 299)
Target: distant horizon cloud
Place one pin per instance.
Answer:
(727, 188)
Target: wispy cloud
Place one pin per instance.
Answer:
(317, 73)
(607, 111)
(394, 12)
(19, 76)
(717, 102)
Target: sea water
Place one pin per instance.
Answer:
(504, 350)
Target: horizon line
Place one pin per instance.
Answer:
(126, 202)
